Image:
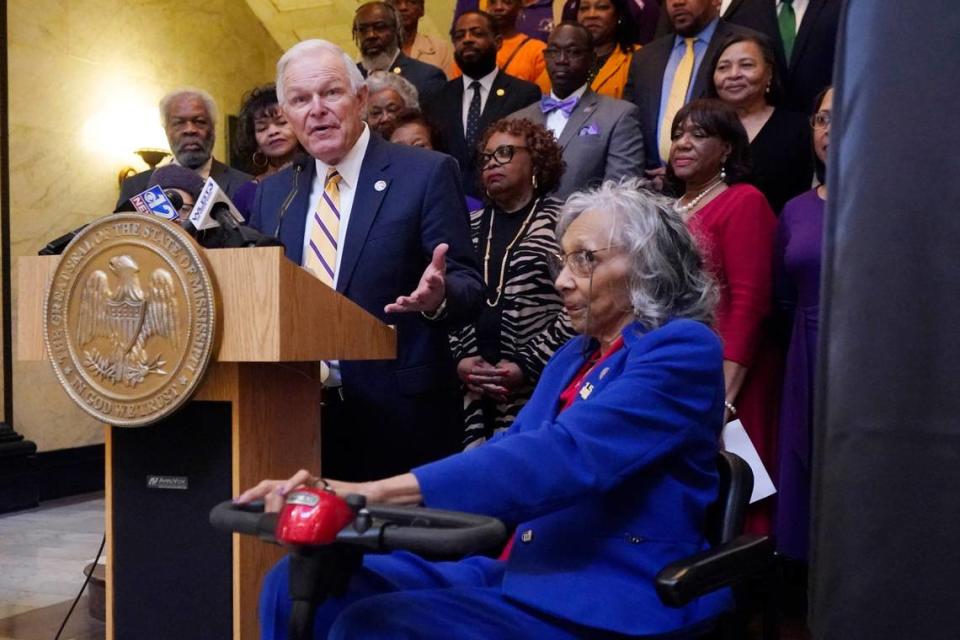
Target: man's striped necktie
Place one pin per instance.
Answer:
(321, 259)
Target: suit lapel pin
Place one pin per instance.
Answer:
(380, 185)
(586, 390)
(501, 93)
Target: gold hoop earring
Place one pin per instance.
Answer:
(259, 159)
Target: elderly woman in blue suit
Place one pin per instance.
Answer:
(606, 473)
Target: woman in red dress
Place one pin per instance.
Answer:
(735, 226)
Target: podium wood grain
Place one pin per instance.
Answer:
(275, 321)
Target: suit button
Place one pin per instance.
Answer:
(632, 539)
(526, 536)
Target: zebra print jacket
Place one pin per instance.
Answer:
(532, 323)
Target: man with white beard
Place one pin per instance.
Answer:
(378, 34)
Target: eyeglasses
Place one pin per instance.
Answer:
(581, 263)
(821, 119)
(572, 53)
(501, 155)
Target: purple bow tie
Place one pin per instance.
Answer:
(549, 103)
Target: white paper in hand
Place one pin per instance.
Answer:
(735, 440)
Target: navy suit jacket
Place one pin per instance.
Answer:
(608, 492)
(390, 238)
(645, 81)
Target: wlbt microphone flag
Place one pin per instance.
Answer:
(213, 205)
(154, 202)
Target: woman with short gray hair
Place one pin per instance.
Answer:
(388, 94)
(667, 279)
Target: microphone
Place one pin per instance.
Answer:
(56, 246)
(298, 166)
(154, 201)
(213, 209)
(176, 200)
(216, 223)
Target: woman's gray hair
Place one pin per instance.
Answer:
(668, 278)
(316, 46)
(381, 80)
(203, 96)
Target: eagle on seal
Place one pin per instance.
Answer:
(128, 317)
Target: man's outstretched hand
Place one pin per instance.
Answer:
(432, 289)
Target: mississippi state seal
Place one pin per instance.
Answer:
(130, 319)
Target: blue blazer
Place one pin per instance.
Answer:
(389, 242)
(610, 491)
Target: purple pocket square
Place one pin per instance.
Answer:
(589, 130)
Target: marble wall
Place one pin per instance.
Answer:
(84, 78)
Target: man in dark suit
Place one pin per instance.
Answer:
(600, 136)
(376, 221)
(654, 83)
(378, 34)
(189, 119)
(809, 66)
(484, 94)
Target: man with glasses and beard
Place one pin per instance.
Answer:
(189, 119)
(484, 94)
(600, 135)
(379, 34)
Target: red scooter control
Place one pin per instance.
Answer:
(312, 517)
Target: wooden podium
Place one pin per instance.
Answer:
(275, 319)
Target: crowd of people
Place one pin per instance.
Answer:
(523, 201)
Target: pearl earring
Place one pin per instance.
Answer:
(723, 173)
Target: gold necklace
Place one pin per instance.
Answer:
(506, 252)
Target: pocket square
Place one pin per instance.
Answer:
(589, 130)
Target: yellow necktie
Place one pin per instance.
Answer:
(321, 255)
(678, 95)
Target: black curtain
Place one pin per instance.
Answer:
(886, 489)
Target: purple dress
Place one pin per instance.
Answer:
(797, 270)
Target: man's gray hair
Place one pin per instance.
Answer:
(204, 97)
(316, 46)
(668, 278)
(381, 80)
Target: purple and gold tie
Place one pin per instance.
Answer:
(321, 259)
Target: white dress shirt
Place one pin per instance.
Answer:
(556, 120)
(799, 8)
(486, 82)
(349, 170)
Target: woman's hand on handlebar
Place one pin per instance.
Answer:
(274, 492)
(402, 489)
